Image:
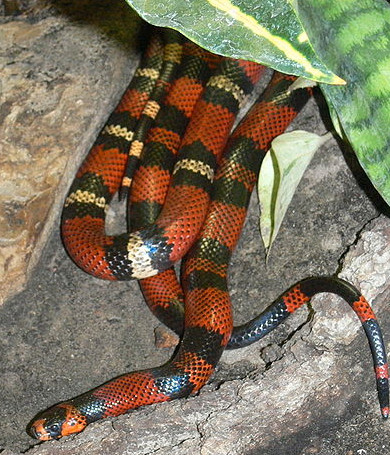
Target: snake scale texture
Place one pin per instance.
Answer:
(190, 183)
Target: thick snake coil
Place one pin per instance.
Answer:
(177, 115)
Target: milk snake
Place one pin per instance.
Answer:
(177, 115)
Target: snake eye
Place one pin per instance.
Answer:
(54, 430)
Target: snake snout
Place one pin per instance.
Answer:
(43, 430)
(60, 420)
(48, 424)
(32, 431)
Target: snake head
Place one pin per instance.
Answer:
(61, 420)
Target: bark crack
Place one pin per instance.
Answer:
(358, 235)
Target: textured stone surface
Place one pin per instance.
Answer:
(50, 112)
(306, 388)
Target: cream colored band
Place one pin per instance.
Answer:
(138, 255)
(195, 166)
(119, 131)
(226, 84)
(126, 181)
(150, 73)
(151, 109)
(172, 52)
(136, 148)
(85, 197)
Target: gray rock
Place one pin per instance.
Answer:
(61, 73)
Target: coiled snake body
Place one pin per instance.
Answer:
(181, 125)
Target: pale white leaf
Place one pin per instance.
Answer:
(280, 174)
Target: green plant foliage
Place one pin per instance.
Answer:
(353, 39)
(266, 31)
(280, 174)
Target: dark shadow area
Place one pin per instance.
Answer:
(100, 14)
(351, 160)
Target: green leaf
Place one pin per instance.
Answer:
(266, 31)
(280, 174)
(353, 38)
